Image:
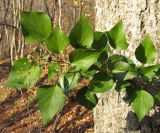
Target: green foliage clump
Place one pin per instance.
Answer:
(91, 59)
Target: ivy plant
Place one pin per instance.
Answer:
(91, 59)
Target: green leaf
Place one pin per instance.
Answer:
(23, 74)
(121, 67)
(57, 41)
(50, 99)
(86, 99)
(101, 82)
(141, 102)
(82, 34)
(117, 58)
(124, 71)
(52, 70)
(146, 52)
(157, 97)
(100, 41)
(117, 38)
(36, 26)
(150, 71)
(87, 74)
(83, 58)
(69, 81)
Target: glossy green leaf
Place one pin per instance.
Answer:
(83, 58)
(57, 41)
(117, 38)
(50, 99)
(36, 26)
(100, 41)
(82, 34)
(52, 70)
(101, 82)
(150, 71)
(69, 81)
(86, 99)
(23, 74)
(146, 52)
(141, 102)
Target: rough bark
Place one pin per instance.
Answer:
(140, 17)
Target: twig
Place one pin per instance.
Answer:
(9, 25)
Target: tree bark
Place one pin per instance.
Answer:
(140, 17)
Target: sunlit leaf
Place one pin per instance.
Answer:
(141, 102)
(146, 52)
(50, 99)
(57, 41)
(36, 26)
(82, 33)
(117, 38)
(83, 58)
(23, 74)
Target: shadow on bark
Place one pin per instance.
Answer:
(150, 124)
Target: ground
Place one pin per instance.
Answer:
(19, 112)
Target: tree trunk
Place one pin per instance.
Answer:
(140, 17)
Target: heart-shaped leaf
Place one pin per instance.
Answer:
(83, 58)
(82, 34)
(23, 74)
(117, 38)
(146, 52)
(50, 99)
(57, 41)
(141, 102)
(36, 26)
